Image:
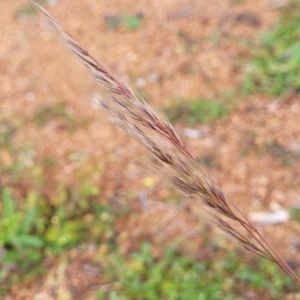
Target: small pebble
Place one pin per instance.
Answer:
(153, 78)
(272, 218)
(52, 2)
(140, 82)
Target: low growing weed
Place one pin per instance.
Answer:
(130, 22)
(34, 225)
(176, 276)
(275, 66)
(197, 111)
(36, 228)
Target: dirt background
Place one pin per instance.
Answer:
(36, 70)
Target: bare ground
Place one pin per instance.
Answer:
(35, 70)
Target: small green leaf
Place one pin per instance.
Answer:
(11, 256)
(25, 11)
(30, 240)
(113, 22)
(133, 22)
(28, 220)
(9, 208)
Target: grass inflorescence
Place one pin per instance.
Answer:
(172, 160)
